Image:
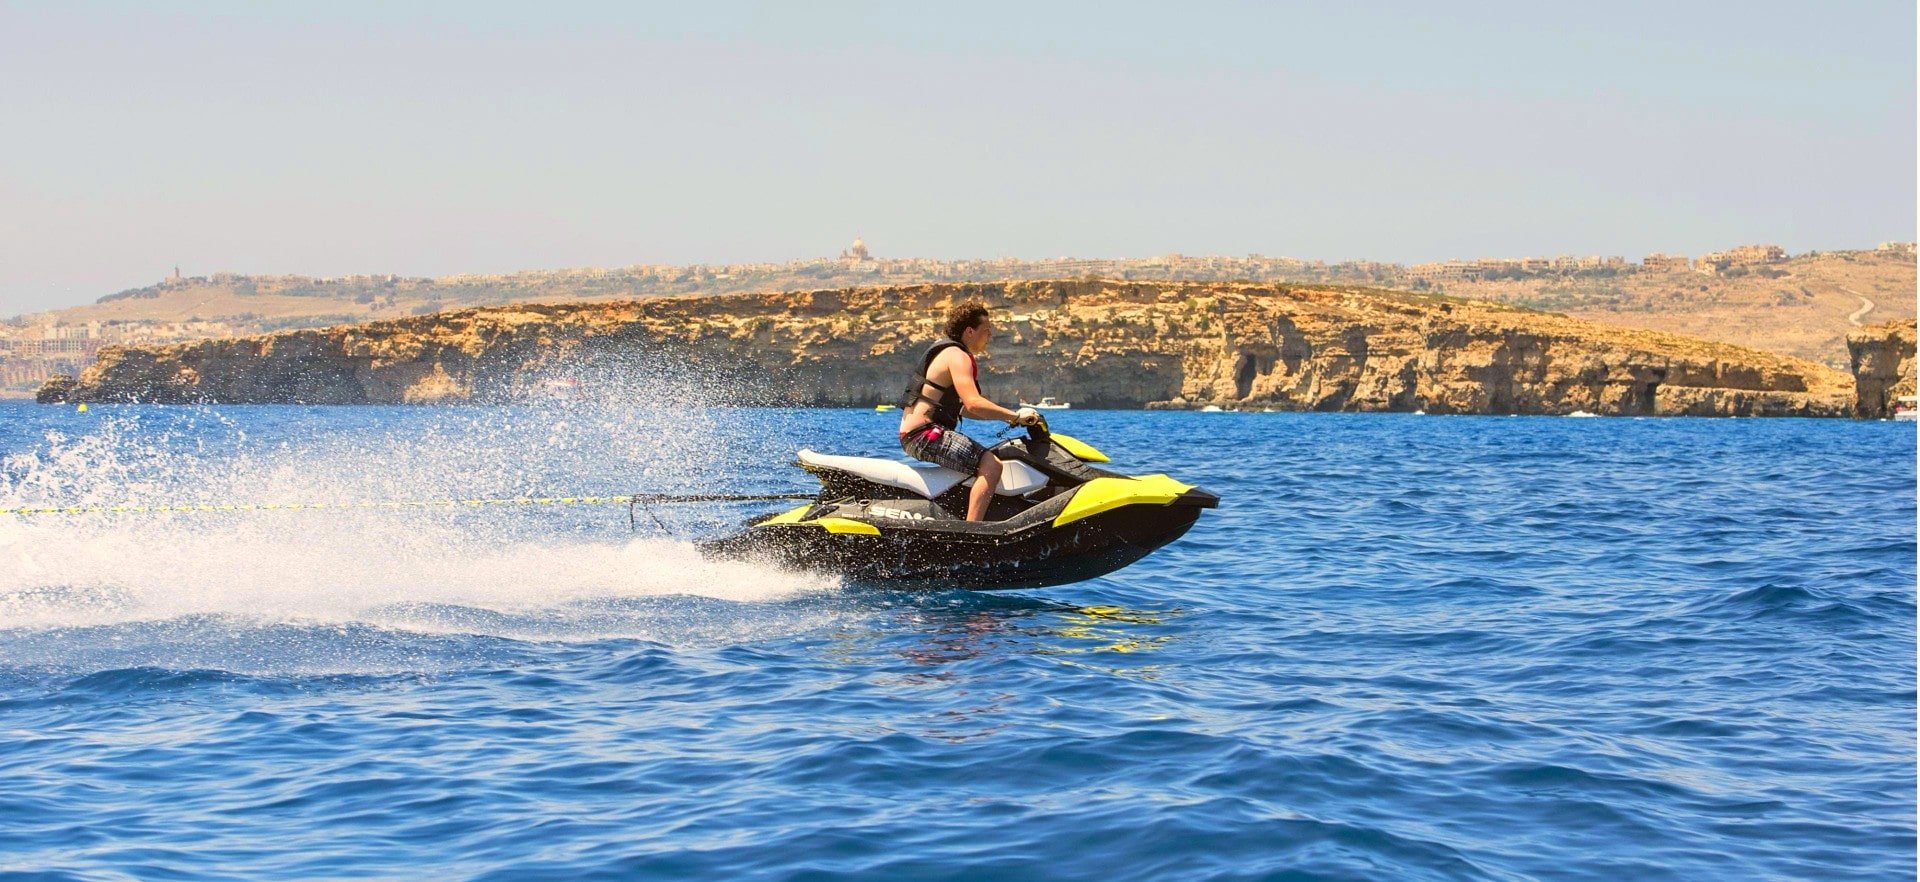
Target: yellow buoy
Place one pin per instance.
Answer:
(82, 408)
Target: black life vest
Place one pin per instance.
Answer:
(946, 407)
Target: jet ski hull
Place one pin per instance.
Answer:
(1053, 519)
(890, 550)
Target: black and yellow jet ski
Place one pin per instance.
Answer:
(1055, 518)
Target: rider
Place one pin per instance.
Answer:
(947, 388)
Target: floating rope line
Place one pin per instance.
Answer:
(626, 499)
(317, 506)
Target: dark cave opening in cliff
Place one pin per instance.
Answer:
(1243, 372)
(1645, 398)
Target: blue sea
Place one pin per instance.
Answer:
(1403, 648)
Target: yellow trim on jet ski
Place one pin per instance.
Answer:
(786, 517)
(1077, 448)
(831, 525)
(1106, 494)
(845, 525)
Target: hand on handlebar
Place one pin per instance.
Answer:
(1026, 416)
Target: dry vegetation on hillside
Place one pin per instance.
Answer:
(1800, 307)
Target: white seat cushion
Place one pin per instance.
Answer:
(1017, 477)
(924, 478)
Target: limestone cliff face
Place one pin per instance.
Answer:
(1882, 357)
(1095, 343)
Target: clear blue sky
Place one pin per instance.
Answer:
(434, 138)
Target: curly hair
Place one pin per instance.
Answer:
(963, 316)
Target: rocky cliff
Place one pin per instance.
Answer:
(1095, 343)
(1882, 358)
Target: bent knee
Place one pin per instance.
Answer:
(990, 467)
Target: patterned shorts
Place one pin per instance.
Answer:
(943, 446)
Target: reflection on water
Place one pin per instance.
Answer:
(959, 638)
(979, 626)
(1112, 629)
(972, 665)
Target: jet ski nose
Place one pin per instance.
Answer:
(1197, 498)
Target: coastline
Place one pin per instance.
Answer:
(1098, 343)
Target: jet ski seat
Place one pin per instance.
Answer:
(924, 478)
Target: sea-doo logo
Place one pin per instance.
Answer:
(897, 513)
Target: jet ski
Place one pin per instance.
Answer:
(1055, 518)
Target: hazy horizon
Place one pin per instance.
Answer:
(480, 138)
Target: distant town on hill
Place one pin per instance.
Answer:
(1752, 295)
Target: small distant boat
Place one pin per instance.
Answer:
(1048, 403)
(883, 408)
(1419, 413)
(1212, 408)
(1582, 413)
(1903, 409)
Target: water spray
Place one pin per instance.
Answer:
(623, 499)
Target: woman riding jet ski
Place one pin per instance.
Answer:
(1027, 513)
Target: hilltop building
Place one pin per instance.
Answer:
(1447, 270)
(1513, 267)
(857, 252)
(1666, 263)
(1744, 255)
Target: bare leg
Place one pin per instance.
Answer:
(983, 488)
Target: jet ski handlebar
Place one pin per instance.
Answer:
(1036, 432)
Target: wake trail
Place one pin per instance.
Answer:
(71, 578)
(351, 564)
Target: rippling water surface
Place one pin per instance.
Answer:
(1403, 648)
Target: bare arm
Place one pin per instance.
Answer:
(973, 405)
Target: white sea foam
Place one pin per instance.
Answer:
(347, 571)
(360, 565)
